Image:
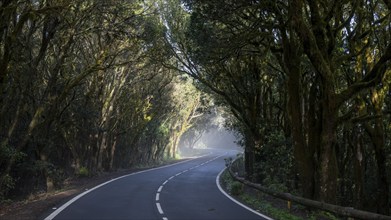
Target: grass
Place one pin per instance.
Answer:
(274, 208)
(268, 208)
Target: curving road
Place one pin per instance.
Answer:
(186, 190)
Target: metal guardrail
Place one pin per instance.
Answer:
(339, 210)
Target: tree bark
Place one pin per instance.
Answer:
(358, 172)
(313, 42)
(328, 168)
(301, 150)
(249, 156)
(378, 140)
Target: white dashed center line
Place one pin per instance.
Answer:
(158, 206)
(157, 196)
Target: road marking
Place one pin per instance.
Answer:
(60, 209)
(159, 208)
(235, 201)
(157, 196)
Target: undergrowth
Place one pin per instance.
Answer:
(269, 207)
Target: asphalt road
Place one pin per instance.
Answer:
(186, 190)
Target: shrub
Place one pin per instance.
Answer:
(82, 172)
(236, 188)
(6, 184)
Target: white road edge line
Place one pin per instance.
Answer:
(234, 200)
(159, 208)
(160, 189)
(61, 208)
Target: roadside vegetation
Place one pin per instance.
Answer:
(94, 86)
(274, 208)
(307, 84)
(83, 91)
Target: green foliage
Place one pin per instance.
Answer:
(312, 85)
(254, 201)
(8, 151)
(315, 215)
(228, 161)
(57, 175)
(7, 183)
(82, 79)
(274, 166)
(83, 172)
(164, 130)
(94, 83)
(236, 188)
(269, 209)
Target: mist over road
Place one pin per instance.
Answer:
(186, 190)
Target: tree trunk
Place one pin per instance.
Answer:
(328, 168)
(249, 156)
(170, 146)
(301, 152)
(291, 62)
(48, 179)
(358, 172)
(378, 139)
(314, 127)
(314, 43)
(102, 150)
(112, 153)
(174, 146)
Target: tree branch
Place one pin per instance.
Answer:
(372, 78)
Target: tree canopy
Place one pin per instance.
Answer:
(92, 86)
(308, 78)
(83, 89)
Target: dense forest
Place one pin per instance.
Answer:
(84, 90)
(98, 85)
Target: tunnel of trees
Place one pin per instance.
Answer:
(100, 85)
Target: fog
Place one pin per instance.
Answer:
(218, 138)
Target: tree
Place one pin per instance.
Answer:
(83, 90)
(326, 54)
